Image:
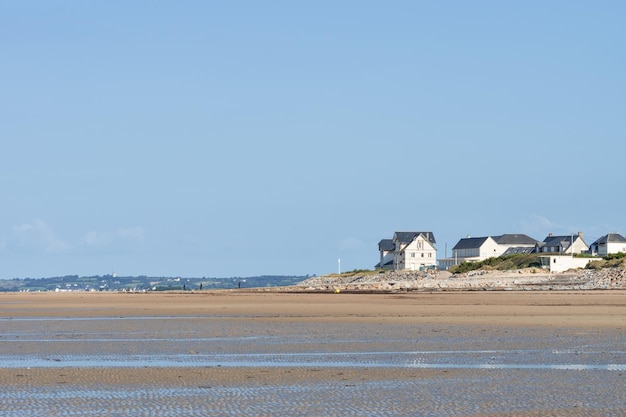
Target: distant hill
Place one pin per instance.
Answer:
(144, 283)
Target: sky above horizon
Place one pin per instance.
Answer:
(222, 139)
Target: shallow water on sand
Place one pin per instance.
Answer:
(498, 370)
(499, 394)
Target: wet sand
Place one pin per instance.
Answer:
(269, 353)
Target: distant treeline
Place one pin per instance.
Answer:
(143, 283)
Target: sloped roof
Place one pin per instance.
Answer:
(470, 243)
(387, 263)
(610, 238)
(515, 250)
(407, 237)
(554, 241)
(514, 239)
(386, 245)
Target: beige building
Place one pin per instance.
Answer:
(408, 251)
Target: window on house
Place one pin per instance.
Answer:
(412, 255)
(422, 255)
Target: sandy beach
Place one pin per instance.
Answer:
(480, 353)
(568, 308)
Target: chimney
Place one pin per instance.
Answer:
(580, 235)
(550, 234)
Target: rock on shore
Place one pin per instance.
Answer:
(521, 280)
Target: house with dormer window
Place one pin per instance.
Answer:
(408, 251)
(562, 245)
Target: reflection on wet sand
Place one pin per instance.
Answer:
(279, 363)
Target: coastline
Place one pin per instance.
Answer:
(518, 280)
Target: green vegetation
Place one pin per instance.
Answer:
(613, 256)
(523, 261)
(500, 263)
(361, 271)
(357, 272)
(610, 261)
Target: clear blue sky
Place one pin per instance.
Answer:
(239, 138)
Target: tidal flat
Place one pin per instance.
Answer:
(221, 353)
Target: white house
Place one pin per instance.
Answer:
(414, 250)
(470, 249)
(473, 249)
(562, 245)
(607, 244)
(408, 250)
(515, 243)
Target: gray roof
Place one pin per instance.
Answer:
(408, 237)
(388, 263)
(514, 239)
(470, 243)
(554, 241)
(564, 241)
(519, 250)
(386, 245)
(610, 238)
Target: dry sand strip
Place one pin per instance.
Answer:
(576, 308)
(206, 377)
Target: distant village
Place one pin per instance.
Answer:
(114, 283)
(417, 250)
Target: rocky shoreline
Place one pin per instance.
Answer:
(518, 280)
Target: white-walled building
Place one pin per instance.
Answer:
(561, 263)
(607, 244)
(474, 249)
(563, 245)
(408, 251)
